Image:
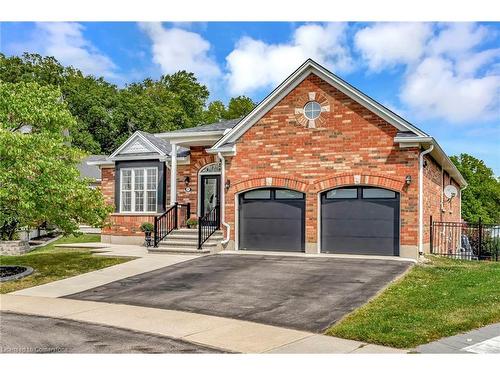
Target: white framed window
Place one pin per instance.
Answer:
(312, 110)
(138, 189)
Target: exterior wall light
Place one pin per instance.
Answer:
(408, 180)
(187, 180)
(227, 185)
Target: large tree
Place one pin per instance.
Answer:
(90, 100)
(107, 115)
(481, 199)
(39, 179)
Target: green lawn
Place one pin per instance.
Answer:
(51, 263)
(441, 298)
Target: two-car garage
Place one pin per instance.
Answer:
(353, 220)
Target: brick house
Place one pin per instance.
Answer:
(317, 166)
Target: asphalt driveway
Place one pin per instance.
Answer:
(294, 292)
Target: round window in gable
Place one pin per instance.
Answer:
(312, 110)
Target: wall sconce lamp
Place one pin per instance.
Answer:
(227, 185)
(186, 180)
(408, 180)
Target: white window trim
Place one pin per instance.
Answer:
(132, 190)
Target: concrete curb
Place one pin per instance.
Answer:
(221, 333)
(320, 255)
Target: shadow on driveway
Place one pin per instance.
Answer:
(294, 292)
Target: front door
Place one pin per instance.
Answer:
(210, 193)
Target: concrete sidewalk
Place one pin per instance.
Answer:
(222, 333)
(145, 263)
(485, 340)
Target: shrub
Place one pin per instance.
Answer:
(147, 227)
(192, 223)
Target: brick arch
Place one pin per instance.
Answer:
(280, 182)
(200, 163)
(365, 179)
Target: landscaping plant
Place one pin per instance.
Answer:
(39, 179)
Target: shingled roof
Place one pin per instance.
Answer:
(221, 126)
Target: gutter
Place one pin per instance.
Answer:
(421, 199)
(172, 135)
(438, 154)
(223, 199)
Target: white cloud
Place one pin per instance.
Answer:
(177, 49)
(444, 64)
(255, 64)
(66, 42)
(434, 89)
(384, 45)
(457, 38)
(471, 63)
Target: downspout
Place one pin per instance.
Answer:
(421, 200)
(223, 198)
(460, 201)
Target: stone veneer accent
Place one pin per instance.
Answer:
(14, 247)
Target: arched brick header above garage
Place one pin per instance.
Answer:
(359, 179)
(255, 183)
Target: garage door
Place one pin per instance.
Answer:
(272, 219)
(360, 220)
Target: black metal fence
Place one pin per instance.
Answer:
(461, 240)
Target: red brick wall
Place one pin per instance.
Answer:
(435, 203)
(197, 160)
(349, 140)
(108, 184)
(126, 225)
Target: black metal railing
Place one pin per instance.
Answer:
(207, 225)
(461, 240)
(170, 220)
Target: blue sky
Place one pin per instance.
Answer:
(442, 77)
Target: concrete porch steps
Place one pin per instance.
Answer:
(185, 241)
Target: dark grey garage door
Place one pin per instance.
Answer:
(360, 220)
(272, 219)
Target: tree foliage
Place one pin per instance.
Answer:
(238, 107)
(481, 198)
(106, 115)
(39, 179)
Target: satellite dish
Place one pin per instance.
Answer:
(450, 191)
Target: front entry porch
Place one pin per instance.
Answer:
(171, 229)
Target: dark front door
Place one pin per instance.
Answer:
(360, 220)
(210, 193)
(272, 219)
